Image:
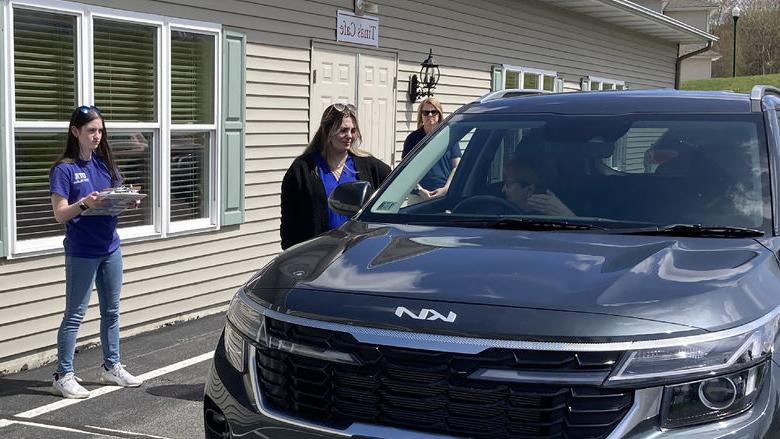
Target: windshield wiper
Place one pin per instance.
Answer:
(694, 230)
(523, 224)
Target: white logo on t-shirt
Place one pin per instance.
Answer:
(81, 177)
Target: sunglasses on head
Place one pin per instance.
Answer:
(84, 109)
(430, 112)
(344, 108)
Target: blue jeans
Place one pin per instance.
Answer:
(80, 274)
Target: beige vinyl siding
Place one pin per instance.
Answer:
(175, 277)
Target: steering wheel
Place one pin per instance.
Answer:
(486, 205)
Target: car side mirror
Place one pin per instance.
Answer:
(348, 198)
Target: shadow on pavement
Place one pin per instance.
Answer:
(189, 392)
(10, 387)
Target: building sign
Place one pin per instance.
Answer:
(360, 29)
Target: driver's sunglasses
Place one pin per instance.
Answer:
(345, 109)
(430, 112)
(84, 109)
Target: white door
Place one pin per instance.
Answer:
(333, 80)
(376, 109)
(366, 80)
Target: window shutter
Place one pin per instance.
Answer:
(233, 127)
(497, 82)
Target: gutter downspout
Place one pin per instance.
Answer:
(683, 58)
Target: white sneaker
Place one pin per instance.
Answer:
(67, 387)
(118, 376)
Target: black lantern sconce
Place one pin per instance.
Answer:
(426, 82)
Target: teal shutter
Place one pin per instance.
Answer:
(233, 127)
(6, 183)
(497, 81)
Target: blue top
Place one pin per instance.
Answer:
(85, 236)
(349, 173)
(439, 173)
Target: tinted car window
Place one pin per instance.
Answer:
(644, 169)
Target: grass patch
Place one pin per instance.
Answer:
(740, 84)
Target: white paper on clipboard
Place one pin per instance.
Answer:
(113, 202)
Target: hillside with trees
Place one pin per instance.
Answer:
(758, 38)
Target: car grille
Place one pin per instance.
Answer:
(429, 391)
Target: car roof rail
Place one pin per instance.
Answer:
(511, 93)
(759, 91)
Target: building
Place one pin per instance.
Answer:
(697, 13)
(208, 103)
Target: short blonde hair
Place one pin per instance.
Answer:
(429, 100)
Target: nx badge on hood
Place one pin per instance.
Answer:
(425, 314)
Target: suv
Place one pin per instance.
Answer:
(602, 265)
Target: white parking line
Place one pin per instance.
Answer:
(100, 431)
(48, 408)
(50, 427)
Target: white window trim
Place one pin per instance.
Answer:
(162, 226)
(602, 81)
(521, 71)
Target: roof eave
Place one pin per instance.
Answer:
(637, 18)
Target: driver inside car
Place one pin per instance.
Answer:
(526, 185)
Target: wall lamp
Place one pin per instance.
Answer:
(426, 82)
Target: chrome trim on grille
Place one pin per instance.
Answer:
(647, 404)
(469, 345)
(556, 377)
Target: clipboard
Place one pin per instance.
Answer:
(114, 201)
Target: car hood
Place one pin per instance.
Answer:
(544, 284)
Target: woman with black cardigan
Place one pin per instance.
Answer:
(332, 158)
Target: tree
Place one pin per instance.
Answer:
(758, 37)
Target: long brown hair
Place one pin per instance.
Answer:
(80, 117)
(329, 125)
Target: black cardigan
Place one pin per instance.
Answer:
(304, 205)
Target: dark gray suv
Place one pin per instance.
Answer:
(602, 265)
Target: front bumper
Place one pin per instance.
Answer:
(236, 395)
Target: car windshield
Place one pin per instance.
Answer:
(609, 172)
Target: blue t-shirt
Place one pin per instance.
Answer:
(349, 173)
(440, 171)
(85, 236)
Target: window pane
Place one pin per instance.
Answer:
(512, 79)
(133, 154)
(549, 83)
(125, 85)
(34, 154)
(190, 170)
(192, 78)
(619, 87)
(531, 81)
(44, 65)
(595, 85)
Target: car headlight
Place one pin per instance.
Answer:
(674, 360)
(707, 378)
(712, 399)
(243, 321)
(246, 324)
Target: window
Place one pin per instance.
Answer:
(529, 79)
(601, 84)
(155, 81)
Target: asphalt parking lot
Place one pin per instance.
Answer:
(173, 360)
